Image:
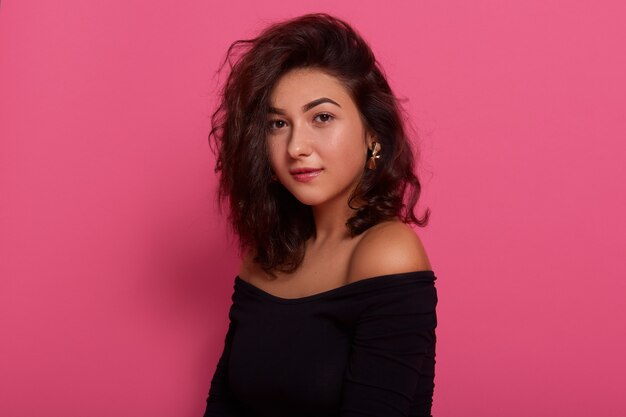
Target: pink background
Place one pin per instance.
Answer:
(116, 270)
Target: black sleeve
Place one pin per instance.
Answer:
(388, 373)
(220, 402)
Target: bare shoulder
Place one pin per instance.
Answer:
(387, 248)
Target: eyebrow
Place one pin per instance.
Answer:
(307, 106)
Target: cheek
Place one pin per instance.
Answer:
(274, 153)
(344, 141)
(347, 148)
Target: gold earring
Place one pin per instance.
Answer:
(371, 162)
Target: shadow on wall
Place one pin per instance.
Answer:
(191, 261)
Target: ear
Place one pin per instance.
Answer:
(369, 138)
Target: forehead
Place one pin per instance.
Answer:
(301, 85)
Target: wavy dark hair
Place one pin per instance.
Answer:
(266, 217)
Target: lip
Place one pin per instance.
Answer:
(305, 174)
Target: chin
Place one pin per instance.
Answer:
(308, 199)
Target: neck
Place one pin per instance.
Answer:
(330, 222)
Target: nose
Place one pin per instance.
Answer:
(299, 143)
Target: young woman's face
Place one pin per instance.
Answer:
(315, 126)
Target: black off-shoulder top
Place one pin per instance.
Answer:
(364, 349)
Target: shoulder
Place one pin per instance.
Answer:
(387, 248)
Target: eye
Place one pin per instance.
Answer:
(324, 117)
(277, 124)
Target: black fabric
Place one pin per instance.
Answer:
(365, 349)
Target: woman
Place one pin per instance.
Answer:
(333, 309)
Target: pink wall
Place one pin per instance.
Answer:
(116, 271)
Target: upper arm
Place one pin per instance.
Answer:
(388, 248)
(391, 368)
(221, 401)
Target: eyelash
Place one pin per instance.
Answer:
(330, 117)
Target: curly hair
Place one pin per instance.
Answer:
(265, 216)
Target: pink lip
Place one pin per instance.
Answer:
(305, 174)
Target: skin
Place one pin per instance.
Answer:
(314, 123)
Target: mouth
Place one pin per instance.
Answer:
(304, 170)
(305, 174)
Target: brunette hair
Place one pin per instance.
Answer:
(266, 217)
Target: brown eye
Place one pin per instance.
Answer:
(324, 117)
(277, 124)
